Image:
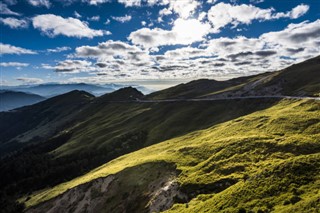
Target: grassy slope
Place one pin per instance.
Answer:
(273, 155)
(106, 122)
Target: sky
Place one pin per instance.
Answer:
(153, 42)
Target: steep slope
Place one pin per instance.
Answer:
(42, 120)
(194, 89)
(265, 161)
(123, 94)
(11, 100)
(301, 79)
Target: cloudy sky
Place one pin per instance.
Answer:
(153, 41)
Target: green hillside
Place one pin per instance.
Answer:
(225, 155)
(264, 161)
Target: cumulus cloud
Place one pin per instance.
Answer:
(223, 14)
(94, 18)
(73, 66)
(106, 49)
(13, 64)
(96, 2)
(53, 25)
(183, 32)
(15, 23)
(10, 49)
(40, 3)
(122, 19)
(131, 3)
(4, 10)
(298, 11)
(184, 8)
(26, 80)
(58, 49)
(295, 34)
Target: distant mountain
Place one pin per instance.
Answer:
(11, 99)
(53, 89)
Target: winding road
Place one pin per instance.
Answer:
(216, 99)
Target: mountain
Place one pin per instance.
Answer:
(41, 120)
(129, 152)
(11, 100)
(297, 80)
(54, 89)
(262, 162)
(123, 94)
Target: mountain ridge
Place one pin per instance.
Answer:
(208, 141)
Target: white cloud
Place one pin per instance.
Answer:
(53, 25)
(183, 32)
(143, 23)
(184, 8)
(122, 19)
(9, 49)
(214, 58)
(94, 18)
(73, 66)
(77, 15)
(130, 3)
(299, 11)
(165, 12)
(96, 2)
(6, 11)
(211, 1)
(58, 49)
(15, 23)
(108, 49)
(40, 3)
(107, 22)
(223, 14)
(295, 34)
(27, 80)
(13, 64)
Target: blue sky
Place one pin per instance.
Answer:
(153, 42)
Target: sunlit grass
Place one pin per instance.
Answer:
(273, 154)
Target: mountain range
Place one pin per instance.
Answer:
(249, 144)
(11, 100)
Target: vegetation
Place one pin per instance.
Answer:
(242, 155)
(266, 161)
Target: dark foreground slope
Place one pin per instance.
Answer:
(10, 100)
